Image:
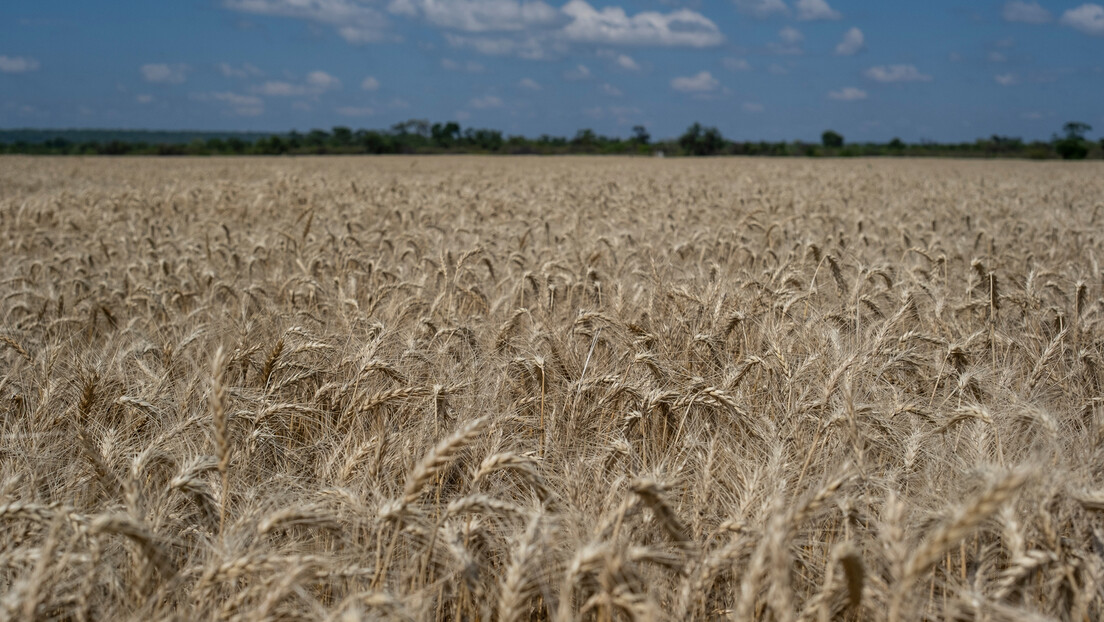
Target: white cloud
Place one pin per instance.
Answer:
(1007, 79)
(485, 102)
(852, 43)
(736, 64)
(811, 10)
(611, 90)
(997, 57)
(355, 21)
(316, 83)
(355, 111)
(245, 71)
(1026, 12)
(527, 47)
(144, 99)
(847, 94)
(612, 26)
(369, 84)
(480, 15)
(17, 64)
(163, 73)
(624, 61)
(791, 35)
(580, 72)
(322, 80)
(529, 84)
(791, 38)
(703, 82)
(468, 66)
(896, 73)
(753, 107)
(761, 8)
(1088, 18)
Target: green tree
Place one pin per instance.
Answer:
(585, 138)
(420, 127)
(640, 135)
(316, 140)
(702, 141)
(831, 139)
(897, 144)
(1072, 146)
(445, 135)
(342, 136)
(1076, 129)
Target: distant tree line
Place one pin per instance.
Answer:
(418, 136)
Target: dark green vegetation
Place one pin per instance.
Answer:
(418, 136)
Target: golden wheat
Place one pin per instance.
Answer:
(560, 388)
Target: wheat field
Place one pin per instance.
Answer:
(461, 388)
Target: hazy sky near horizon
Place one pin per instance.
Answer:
(945, 70)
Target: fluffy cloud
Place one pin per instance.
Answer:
(612, 26)
(761, 8)
(611, 90)
(791, 35)
(896, 73)
(530, 29)
(144, 99)
(354, 21)
(528, 47)
(852, 43)
(369, 84)
(529, 84)
(322, 81)
(580, 72)
(486, 102)
(812, 10)
(479, 15)
(1088, 18)
(847, 94)
(753, 107)
(623, 61)
(790, 38)
(703, 82)
(162, 73)
(1007, 79)
(17, 64)
(1025, 12)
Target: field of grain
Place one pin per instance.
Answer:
(553, 389)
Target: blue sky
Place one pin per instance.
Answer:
(940, 70)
